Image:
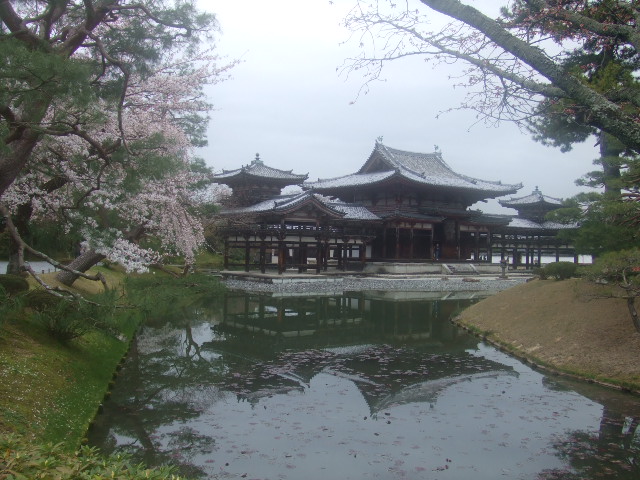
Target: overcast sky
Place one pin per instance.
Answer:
(287, 102)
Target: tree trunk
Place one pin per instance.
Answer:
(21, 221)
(16, 251)
(610, 155)
(90, 258)
(82, 263)
(13, 160)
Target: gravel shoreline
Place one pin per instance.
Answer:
(345, 284)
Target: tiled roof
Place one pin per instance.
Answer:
(353, 180)
(523, 223)
(287, 203)
(536, 197)
(258, 169)
(423, 168)
(351, 211)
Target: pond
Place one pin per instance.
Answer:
(375, 385)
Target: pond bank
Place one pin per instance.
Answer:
(564, 326)
(409, 283)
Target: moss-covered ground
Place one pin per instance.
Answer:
(50, 390)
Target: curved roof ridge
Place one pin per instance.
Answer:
(308, 195)
(258, 169)
(294, 197)
(493, 182)
(434, 160)
(535, 197)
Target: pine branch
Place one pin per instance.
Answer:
(13, 231)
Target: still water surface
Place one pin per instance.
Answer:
(376, 385)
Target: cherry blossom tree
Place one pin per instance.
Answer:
(145, 185)
(114, 161)
(80, 52)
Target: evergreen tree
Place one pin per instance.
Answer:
(606, 220)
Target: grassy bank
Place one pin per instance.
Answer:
(567, 326)
(50, 390)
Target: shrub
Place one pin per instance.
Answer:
(40, 299)
(13, 284)
(540, 273)
(64, 321)
(560, 270)
(20, 459)
(9, 305)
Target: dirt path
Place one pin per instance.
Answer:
(561, 324)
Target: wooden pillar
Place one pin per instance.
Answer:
(489, 247)
(282, 258)
(263, 256)
(539, 251)
(476, 253)
(339, 255)
(411, 242)
(431, 244)
(527, 245)
(305, 256)
(326, 249)
(384, 242)
(458, 253)
(345, 256)
(557, 251)
(302, 256)
(319, 260)
(247, 253)
(397, 255)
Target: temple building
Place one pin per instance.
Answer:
(528, 236)
(399, 207)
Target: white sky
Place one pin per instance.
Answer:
(287, 102)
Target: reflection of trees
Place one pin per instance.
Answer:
(166, 381)
(612, 452)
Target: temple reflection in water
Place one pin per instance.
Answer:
(338, 319)
(396, 347)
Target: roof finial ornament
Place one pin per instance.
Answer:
(257, 159)
(379, 139)
(436, 148)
